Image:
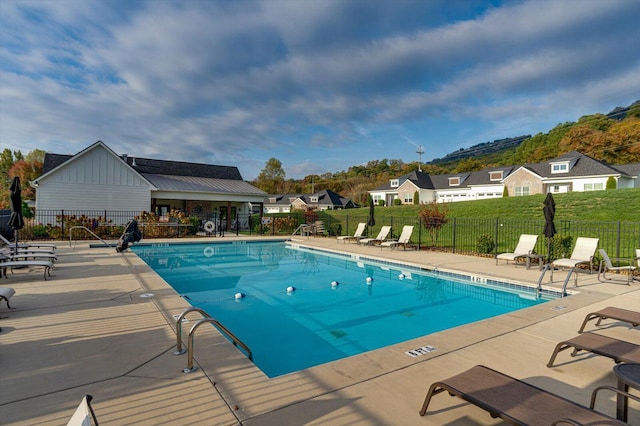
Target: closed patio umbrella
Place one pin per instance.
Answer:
(549, 211)
(16, 221)
(372, 219)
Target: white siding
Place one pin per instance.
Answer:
(95, 180)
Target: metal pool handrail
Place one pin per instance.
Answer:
(190, 343)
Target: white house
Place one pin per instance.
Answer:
(97, 179)
(572, 171)
(319, 201)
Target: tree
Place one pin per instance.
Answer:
(271, 178)
(416, 197)
(27, 171)
(434, 217)
(611, 183)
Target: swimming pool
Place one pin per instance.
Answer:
(340, 305)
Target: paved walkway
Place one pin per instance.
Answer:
(103, 325)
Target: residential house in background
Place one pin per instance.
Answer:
(98, 179)
(572, 171)
(322, 200)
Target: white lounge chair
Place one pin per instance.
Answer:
(526, 245)
(26, 255)
(356, 236)
(582, 254)
(47, 265)
(12, 245)
(403, 240)
(382, 236)
(606, 265)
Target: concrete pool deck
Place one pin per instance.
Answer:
(104, 325)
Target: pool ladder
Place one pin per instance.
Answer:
(548, 267)
(190, 341)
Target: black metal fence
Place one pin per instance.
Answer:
(459, 235)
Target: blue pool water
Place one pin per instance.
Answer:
(318, 322)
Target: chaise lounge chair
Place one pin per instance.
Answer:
(526, 245)
(27, 245)
(617, 350)
(356, 236)
(582, 254)
(403, 240)
(10, 264)
(606, 265)
(515, 401)
(382, 236)
(26, 255)
(610, 312)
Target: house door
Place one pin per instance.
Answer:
(559, 189)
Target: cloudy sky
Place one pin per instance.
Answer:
(321, 85)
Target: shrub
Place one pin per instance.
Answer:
(560, 247)
(485, 244)
(434, 217)
(397, 202)
(40, 231)
(416, 198)
(381, 203)
(335, 229)
(611, 183)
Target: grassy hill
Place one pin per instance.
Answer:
(613, 205)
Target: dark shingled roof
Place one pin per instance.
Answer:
(579, 165)
(420, 179)
(159, 167)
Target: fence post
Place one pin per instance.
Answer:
(497, 235)
(618, 243)
(62, 225)
(454, 234)
(419, 231)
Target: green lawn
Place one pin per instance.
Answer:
(613, 205)
(612, 216)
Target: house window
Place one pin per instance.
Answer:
(395, 183)
(313, 199)
(522, 190)
(559, 167)
(454, 181)
(494, 176)
(408, 198)
(593, 186)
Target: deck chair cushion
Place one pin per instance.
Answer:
(357, 235)
(526, 245)
(382, 236)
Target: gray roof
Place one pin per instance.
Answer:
(579, 165)
(420, 179)
(629, 169)
(325, 198)
(162, 167)
(202, 184)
